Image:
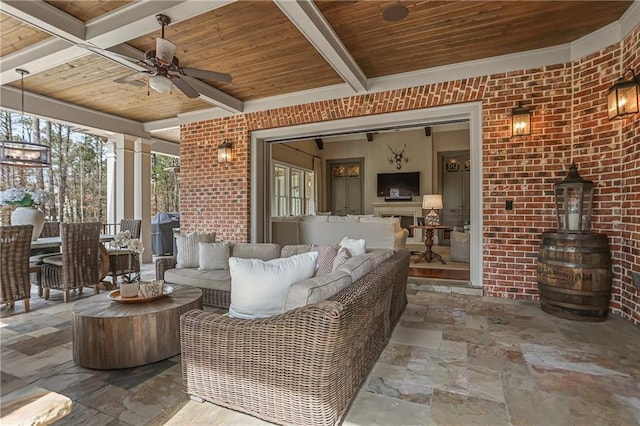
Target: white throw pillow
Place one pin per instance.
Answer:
(189, 249)
(355, 247)
(259, 289)
(214, 255)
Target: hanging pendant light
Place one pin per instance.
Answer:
(22, 153)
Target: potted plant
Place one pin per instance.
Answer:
(26, 202)
(129, 284)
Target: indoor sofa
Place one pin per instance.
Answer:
(378, 232)
(303, 366)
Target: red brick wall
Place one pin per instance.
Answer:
(569, 123)
(626, 300)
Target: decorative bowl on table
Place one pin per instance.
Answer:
(148, 292)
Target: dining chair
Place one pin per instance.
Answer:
(118, 258)
(50, 229)
(78, 265)
(15, 246)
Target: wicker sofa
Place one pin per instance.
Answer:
(301, 367)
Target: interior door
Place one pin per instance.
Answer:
(345, 186)
(455, 172)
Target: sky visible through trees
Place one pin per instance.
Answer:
(77, 178)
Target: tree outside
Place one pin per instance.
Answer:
(77, 176)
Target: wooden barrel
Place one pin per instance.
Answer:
(574, 276)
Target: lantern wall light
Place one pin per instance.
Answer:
(520, 121)
(622, 97)
(225, 152)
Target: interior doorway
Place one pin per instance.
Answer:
(454, 184)
(345, 186)
(469, 112)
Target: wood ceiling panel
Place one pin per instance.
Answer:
(442, 33)
(254, 42)
(86, 10)
(88, 82)
(17, 35)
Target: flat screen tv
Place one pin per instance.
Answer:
(408, 184)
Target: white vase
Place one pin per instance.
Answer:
(129, 289)
(29, 216)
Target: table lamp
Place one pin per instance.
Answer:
(433, 202)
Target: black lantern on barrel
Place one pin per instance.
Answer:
(574, 264)
(574, 202)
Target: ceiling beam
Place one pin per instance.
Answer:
(46, 18)
(305, 15)
(112, 29)
(51, 109)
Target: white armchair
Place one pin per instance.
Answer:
(460, 246)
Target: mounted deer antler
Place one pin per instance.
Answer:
(398, 157)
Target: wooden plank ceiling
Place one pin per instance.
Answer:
(268, 56)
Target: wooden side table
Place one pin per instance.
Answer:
(109, 335)
(428, 255)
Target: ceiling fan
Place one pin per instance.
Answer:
(163, 68)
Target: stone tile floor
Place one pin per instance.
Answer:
(454, 359)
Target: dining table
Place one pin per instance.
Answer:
(48, 242)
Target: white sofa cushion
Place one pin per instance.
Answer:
(214, 279)
(357, 267)
(343, 219)
(376, 219)
(355, 246)
(322, 218)
(316, 289)
(378, 256)
(214, 255)
(259, 289)
(189, 248)
(262, 251)
(292, 250)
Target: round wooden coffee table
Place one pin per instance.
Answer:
(109, 335)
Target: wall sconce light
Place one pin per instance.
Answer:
(398, 157)
(622, 97)
(433, 202)
(224, 152)
(520, 121)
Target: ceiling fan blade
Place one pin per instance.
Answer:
(206, 75)
(110, 54)
(133, 79)
(165, 50)
(185, 87)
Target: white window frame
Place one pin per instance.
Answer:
(306, 205)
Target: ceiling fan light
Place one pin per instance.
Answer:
(160, 83)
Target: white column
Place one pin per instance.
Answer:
(142, 193)
(111, 178)
(120, 166)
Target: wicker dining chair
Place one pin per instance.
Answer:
(78, 266)
(50, 229)
(119, 259)
(15, 246)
